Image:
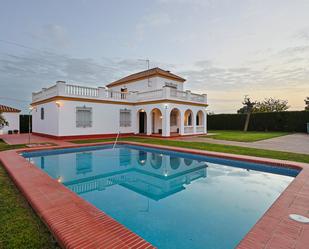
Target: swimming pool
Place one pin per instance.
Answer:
(171, 199)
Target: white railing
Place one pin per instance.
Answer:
(179, 94)
(81, 91)
(154, 94)
(45, 93)
(200, 129)
(117, 95)
(197, 97)
(63, 89)
(188, 129)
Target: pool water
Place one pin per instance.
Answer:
(171, 199)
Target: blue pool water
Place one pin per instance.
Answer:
(171, 199)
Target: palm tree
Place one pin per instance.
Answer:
(307, 104)
(3, 122)
(248, 107)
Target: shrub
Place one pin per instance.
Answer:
(293, 121)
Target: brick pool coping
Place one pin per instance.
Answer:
(75, 223)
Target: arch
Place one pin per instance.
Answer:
(200, 118)
(188, 119)
(174, 162)
(141, 121)
(188, 161)
(156, 121)
(142, 157)
(156, 161)
(175, 120)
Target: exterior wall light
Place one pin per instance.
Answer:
(31, 108)
(58, 103)
(165, 106)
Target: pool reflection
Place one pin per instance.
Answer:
(153, 175)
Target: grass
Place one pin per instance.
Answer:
(240, 136)
(20, 227)
(5, 146)
(212, 147)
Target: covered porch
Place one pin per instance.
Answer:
(170, 120)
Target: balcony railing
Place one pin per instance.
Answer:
(68, 90)
(199, 129)
(188, 129)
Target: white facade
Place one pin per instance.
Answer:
(13, 119)
(157, 105)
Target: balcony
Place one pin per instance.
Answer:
(101, 93)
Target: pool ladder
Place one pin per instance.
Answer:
(116, 139)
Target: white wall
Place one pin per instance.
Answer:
(50, 123)
(13, 119)
(105, 119)
(142, 85)
(61, 121)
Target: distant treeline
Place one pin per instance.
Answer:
(294, 121)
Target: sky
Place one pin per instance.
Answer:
(224, 48)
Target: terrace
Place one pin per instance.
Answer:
(102, 93)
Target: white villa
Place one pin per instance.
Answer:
(11, 115)
(151, 102)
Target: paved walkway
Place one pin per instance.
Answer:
(298, 143)
(24, 139)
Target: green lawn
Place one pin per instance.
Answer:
(5, 146)
(212, 147)
(20, 227)
(240, 136)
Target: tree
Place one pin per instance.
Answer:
(271, 105)
(247, 108)
(3, 122)
(307, 104)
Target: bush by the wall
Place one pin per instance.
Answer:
(294, 121)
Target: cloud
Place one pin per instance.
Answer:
(24, 73)
(303, 35)
(150, 22)
(53, 34)
(20, 75)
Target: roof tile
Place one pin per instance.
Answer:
(4, 108)
(147, 73)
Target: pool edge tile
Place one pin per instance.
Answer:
(271, 230)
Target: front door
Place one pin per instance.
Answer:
(142, 117)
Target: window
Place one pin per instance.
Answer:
(149, 82)
(42, 114)
(170, 84)
(125, 118)
(84, 117)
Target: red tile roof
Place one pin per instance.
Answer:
(147, 74)
(4, 108)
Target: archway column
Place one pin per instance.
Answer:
(194, 122)
(149, 123)
(166, 130)
(182, 122)
(205, 122)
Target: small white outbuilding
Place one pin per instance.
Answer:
(11, 115)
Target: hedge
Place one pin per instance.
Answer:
(293, 121)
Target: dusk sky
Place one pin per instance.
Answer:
(225, 48)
